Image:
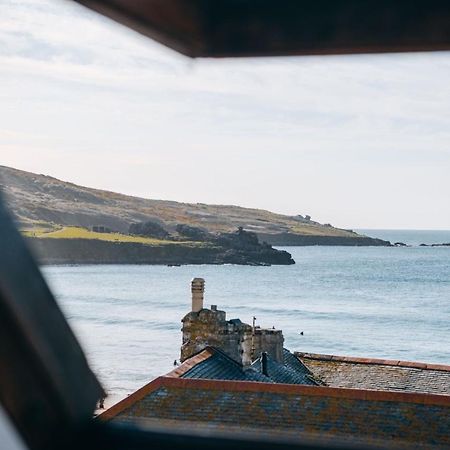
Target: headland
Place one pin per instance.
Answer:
(70, 224)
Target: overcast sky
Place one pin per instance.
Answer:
(358, 141)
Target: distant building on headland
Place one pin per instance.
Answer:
(236, 377)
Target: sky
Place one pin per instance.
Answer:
(360, 141)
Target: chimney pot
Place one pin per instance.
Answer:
(213, 307)
(197, 289)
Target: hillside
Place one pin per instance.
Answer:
(41, 202)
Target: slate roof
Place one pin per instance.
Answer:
(219, 366)
(415, 420)
(213, 364)
(235, 321)
(291, 372)
(378, 374)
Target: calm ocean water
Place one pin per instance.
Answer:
(368, 301)
(411, 237)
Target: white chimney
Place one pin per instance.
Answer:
(197, 289)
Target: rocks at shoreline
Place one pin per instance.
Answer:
(240, 247)
(243, 247)
(444, 244)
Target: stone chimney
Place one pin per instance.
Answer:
(204, 327)
(197, 289)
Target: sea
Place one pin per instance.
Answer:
(382, 302)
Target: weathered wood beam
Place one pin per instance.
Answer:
(223, 28)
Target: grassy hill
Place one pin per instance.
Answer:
(84, 233)
(43, 205)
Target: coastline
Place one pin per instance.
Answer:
(297, 240)
(90, 251)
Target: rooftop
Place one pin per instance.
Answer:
(416, 420)
(378, 374)
(293, 371)
(213, 364)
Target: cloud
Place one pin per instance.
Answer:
(73, 81)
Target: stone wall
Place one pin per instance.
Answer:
(270, 341)
(209, 327)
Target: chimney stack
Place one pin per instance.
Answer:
(197, 289)
(264, 370)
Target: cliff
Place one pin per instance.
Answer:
(92, 251)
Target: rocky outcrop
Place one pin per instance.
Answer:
(244, 247)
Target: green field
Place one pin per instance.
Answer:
(84, 233)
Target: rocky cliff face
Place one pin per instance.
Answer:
(88, 251)
(243, 247)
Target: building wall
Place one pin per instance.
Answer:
(270, 341)
(210, 327)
